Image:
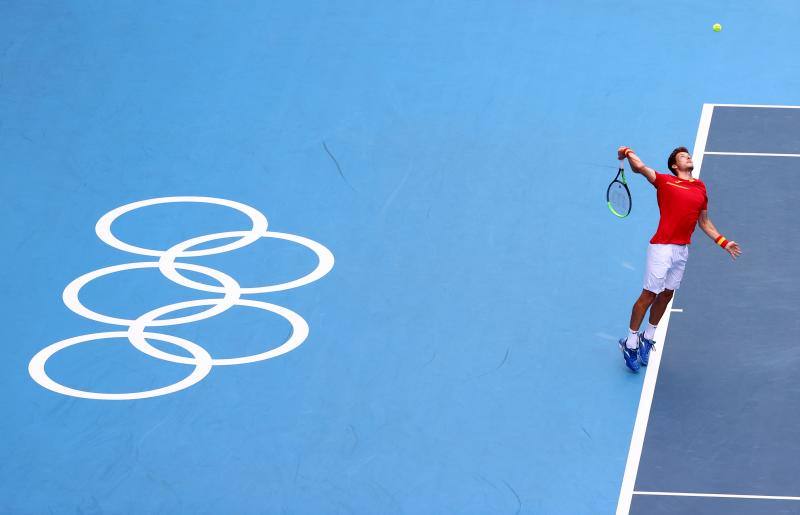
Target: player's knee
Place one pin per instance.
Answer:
(666, 295)
(647, 297)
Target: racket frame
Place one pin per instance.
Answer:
(620, 173)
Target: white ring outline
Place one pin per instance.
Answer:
(202, 361)
(103, 226)
(138, 337)
(167, 264)
(231, 289)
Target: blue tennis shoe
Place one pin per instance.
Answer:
(630, 355)
(645, 346)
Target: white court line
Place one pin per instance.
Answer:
(756, 105)
(677, 310)
(757, 154)
(727, 496)
(649, 386)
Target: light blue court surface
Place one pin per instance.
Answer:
(452, 157)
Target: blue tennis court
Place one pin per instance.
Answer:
(355, 258)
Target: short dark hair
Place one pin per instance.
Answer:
(671, 160)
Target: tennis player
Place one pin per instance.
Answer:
(683, 203)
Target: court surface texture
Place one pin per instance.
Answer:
(355, 258)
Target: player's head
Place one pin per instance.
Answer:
(680, 160)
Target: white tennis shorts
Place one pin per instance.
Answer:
(665, 266)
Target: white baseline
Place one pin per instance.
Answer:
(752, 154)
(727, 496)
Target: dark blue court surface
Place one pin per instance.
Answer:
(723, 422)
(439, 169)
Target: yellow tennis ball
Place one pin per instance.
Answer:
(717, 27)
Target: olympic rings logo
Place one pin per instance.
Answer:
(170, 268)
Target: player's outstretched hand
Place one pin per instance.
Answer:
(621, 152)
(733, 249)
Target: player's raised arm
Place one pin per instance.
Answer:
(636, 164)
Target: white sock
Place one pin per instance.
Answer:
(633, 339)
(650, 331)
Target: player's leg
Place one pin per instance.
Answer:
(646, 342)
(646, 300)
(630, 344)
(658, 262)
(660, 306)
(679, 254)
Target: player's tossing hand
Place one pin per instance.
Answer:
(733, 249)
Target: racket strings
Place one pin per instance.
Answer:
(619, 198)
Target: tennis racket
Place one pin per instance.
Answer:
(618, 196)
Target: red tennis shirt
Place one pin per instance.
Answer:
(680, 203)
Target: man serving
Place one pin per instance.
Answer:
(683, 203)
